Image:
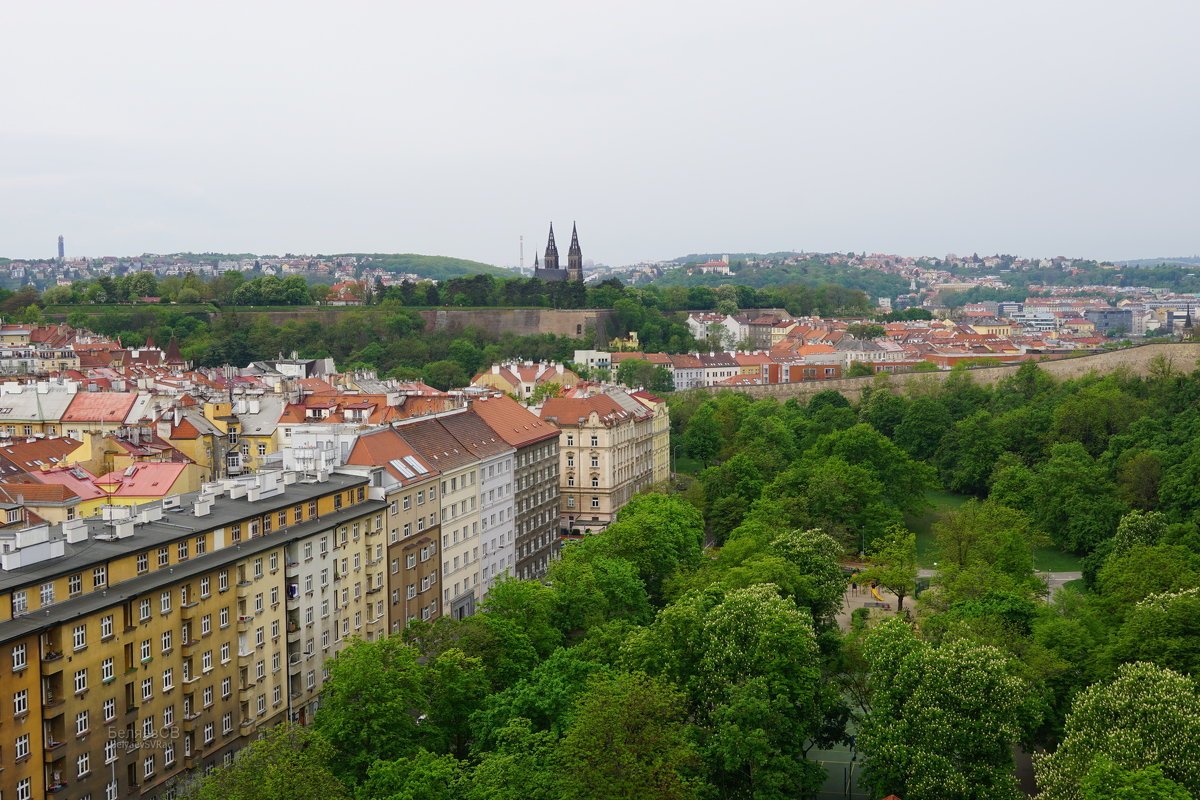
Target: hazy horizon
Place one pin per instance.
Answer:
(1035, 129)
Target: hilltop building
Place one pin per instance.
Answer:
(549, 269)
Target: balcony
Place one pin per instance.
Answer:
(244, 621)
(295, 664)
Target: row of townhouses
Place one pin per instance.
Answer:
(142, 636)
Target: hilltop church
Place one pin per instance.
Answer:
(549, 269)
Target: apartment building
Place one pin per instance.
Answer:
(535, 481)
(606, 456)
(157, 639)
(410, 487)
(459, 506)
(497, 536)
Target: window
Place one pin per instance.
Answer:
(226, 688)
(168, 679)
(81, 681)
(207, 696)
(235, 533)
(106, 626)
(223, 580)
(262, 704)
(107, 670)
(595, 440)
(166, 641)
(258, 568)
(143, 562)
(206, 661)
(81, 764)
(411, 560)
(147, 688)
(21, 702)
(209, 734)
(183, 551)
(260, 670)
(148, 766)
(595, 502)
(274, 595)
(227, 723)
(225, 617)
(99, 577)
(109, 709)
(20, 602)
(164, 603)
(144, 609)
(22, 746)
(164, 556)
(47, 594)
(79, 637)
(205, 587)
(224, 652)
(75, 584)
(168, 755)
(146, 650)
(200, 546)
(206, 625)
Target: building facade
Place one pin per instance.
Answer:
(157, 639)
(535, 481)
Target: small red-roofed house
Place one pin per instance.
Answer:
(145, 483)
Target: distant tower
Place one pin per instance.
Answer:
(550, 261)
(574, 258)
(62, 250)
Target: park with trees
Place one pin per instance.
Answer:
(699, 647)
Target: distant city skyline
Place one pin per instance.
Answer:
(920, 128)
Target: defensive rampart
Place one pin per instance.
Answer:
(1182, 355)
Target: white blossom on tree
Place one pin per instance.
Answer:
(1147, 715)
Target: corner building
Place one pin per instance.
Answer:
(163, 638)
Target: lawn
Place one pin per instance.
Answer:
(689, 466)
(1045, 558)
(940, 502)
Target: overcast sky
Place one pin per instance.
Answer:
(453, 128)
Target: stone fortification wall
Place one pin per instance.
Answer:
(1183, 356)
(522, 321)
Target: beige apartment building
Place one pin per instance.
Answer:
(606, 455)
(410, 486)
(457, 497)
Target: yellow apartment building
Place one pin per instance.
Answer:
(157, 639)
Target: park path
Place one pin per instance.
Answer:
(860, 596)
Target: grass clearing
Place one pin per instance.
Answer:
(922, 525)
(688, 466)
(941, 502)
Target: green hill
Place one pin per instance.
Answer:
(435, 267)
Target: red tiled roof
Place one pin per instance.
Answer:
(144, 480)
(512, 422)
(103, 407)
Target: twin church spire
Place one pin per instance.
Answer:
(550, 269)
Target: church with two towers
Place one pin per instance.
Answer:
(549, 270)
